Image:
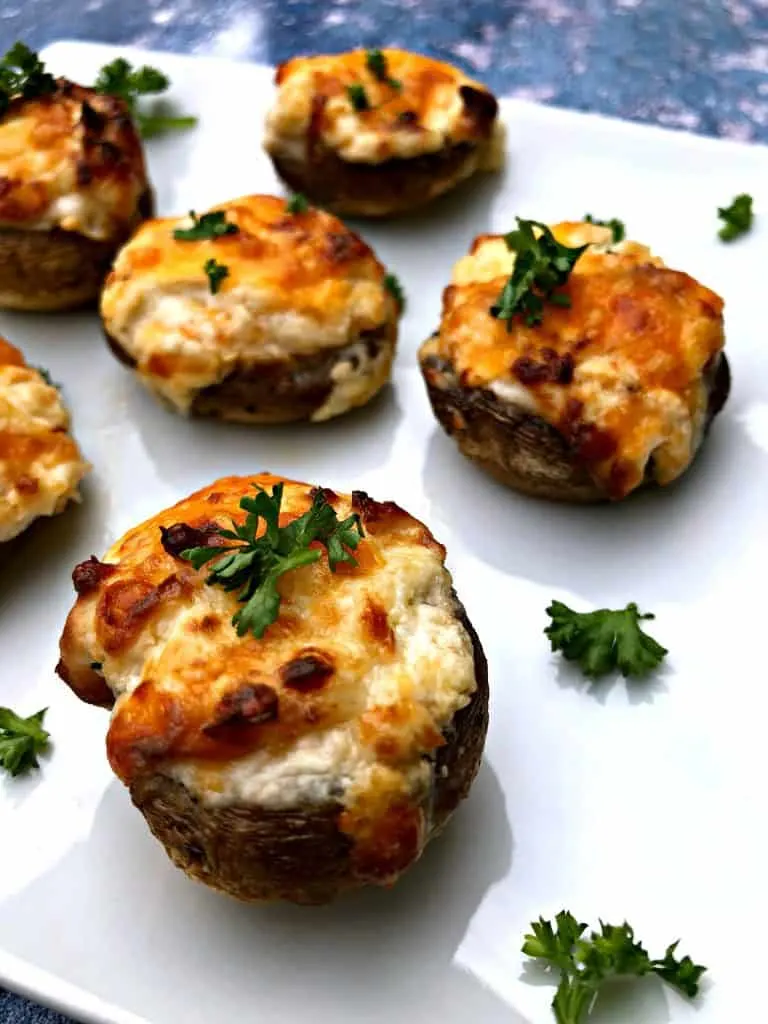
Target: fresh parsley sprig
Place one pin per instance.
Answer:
(23, 74)
(216, 273)
(376, 62)
(251, 565)
(208, 226)
(120, 78)
(585, 963)
(617, 226)
(737, 218)
(297, 204)
(358, 97)
(21, 740)
(604, 640)
(395, 289)
(542, 265)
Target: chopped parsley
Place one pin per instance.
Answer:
(120, 78)
(251, 566)
(616, 226)
(21, 740)
(602, 641)
(542, 266)
(395, 289)
(216, 273)
(297, 204)
(208, 226)
(358, 97)
(737, 218)
(586, 963)
(376, 63)
(23, 74)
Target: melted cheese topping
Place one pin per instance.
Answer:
(297, 285)
(621, 373)
(436, 106)
(71, 160)
(40, 464)
(345, 698)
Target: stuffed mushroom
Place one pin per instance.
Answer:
(260, 310)
(587, 391)
(305, 732)
(40, 463)
(73, 186)
(376, 133)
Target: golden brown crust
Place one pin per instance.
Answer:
(303, 855)
(415, 141)
(602, 395)
(301, 327)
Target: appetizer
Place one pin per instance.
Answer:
(573, 367)
(588, 963)
(259, 310)
(299, 700)
(40, 464)
(73, 186)
(375, 133)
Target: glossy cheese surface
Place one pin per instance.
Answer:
(40, 464)
(433, 105)
(344, 699)
(72, 160)
(297, 285)
(622, 372)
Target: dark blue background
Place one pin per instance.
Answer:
(695, 64)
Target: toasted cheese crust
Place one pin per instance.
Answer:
(40, 464)
(72, 160)
(344, 699)
(622, 373)
(435, 106)
(298, 285)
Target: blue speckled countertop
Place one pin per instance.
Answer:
(695, 64)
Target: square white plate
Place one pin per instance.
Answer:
(640, 802)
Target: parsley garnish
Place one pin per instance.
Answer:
(737, 218)
(358, 97)
(23, 74)
(604, 640)
(216, 273)
(616, 226)
(21, 740)
(395, 289)
(252, 566)
(585, 963)
(207, 226)
(376, 63)
(120, 78)
(542, 265)
(47, 377)
(297, 204)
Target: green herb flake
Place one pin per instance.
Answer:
(21, 741)
(120, 78)
(250, 566)
(297, 204)
(737, 218)
(358, 97)
(395, 289)
(376, 63)
(208, 226)
(23, 74)
(617, 226)
(216, 273)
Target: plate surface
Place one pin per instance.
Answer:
(638, 802)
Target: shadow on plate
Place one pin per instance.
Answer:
(640, 549)
(188, 952)
(569, 676)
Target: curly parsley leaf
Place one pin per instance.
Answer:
(209, 226)
(21, 740)
(120, 78)
(216, 273)
(586, 962)
(542, 266)
(251, 565)
(737, 218)
(617, 227)
(297, 204)
(23, 74)
(604, 640)
(395, 289)
(376, 62)
(358, 97)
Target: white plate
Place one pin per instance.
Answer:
(641, 802)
